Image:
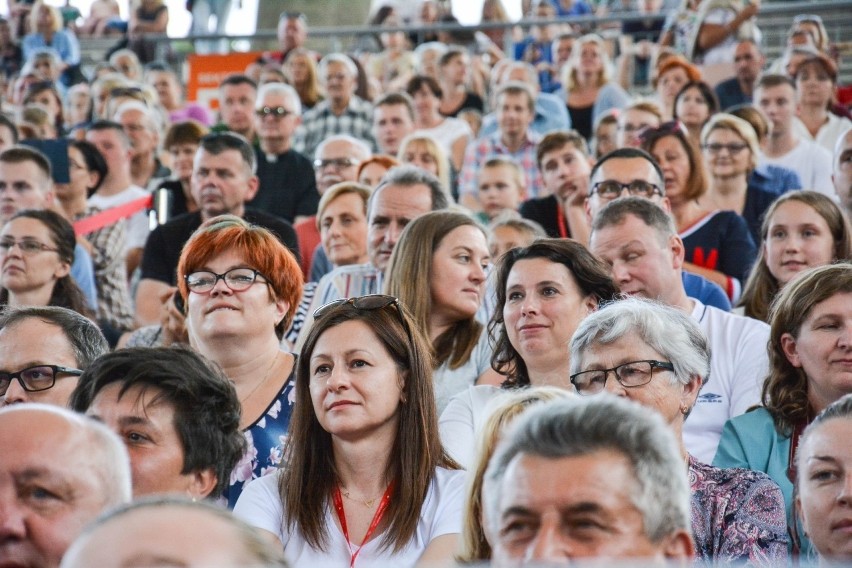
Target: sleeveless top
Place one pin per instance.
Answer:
(266, 439)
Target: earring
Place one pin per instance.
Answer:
(684, 410)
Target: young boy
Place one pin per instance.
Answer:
(501, 187)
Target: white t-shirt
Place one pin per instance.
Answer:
(828, 134)
(448, 132)
(813, 164)
(259, 505)
(448, 381)
(462, 421)
(739, 363)
(137, 225)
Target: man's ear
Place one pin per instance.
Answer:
(253, 185)
(678, 548)
(201, 483)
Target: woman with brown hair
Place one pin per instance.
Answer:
(816, 86)
(801, 230)
(810, 360)
(438, 270)
(716, 242)
(367, 481)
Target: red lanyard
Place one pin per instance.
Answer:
(377, 518)
(560, 221)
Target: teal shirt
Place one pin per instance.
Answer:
(751, 441)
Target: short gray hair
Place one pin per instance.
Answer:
(341, 58)
(279, 89)
(617, 210)
(582, 426)
(257, 550)
(87, 341)
(363, 147)
(407, 176)
(112, 463)
(668, 331)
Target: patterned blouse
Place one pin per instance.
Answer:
(266, 439)
(737, 515)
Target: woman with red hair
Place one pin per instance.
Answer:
(672, 75)
(241, 287)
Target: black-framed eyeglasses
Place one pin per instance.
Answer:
(27, 246)
(277, 112)
(34, 379)
(336, 163)
(732, 149)
(611, 189)
(628, 375)
(237, 279)
(368, 302)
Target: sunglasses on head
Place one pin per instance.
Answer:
(368, 303)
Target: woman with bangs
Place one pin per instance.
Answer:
(717, 243)
(816, 86)
(801, 230)
(589, 90)
(301, 68)
(731, 153)
(241, 286)
(426, 153)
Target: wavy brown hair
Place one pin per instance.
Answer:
(785, 392)
(311, 473)
(761, 287)
(590, 274)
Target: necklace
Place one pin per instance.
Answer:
(262, 381)
(367, 503)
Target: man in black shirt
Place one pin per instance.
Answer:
(223, 179)
(287, 186)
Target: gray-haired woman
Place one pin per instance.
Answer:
(657, 356)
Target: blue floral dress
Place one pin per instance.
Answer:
(266, 439)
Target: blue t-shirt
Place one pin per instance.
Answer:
(704, 291)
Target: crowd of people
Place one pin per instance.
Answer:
(608, 289)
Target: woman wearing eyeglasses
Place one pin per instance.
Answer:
(716, 243)
(241, 287)
(36, 253)
(657, 356)
(810, 359)
(367, 482)
(731, 153)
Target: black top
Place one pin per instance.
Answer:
(164, 244)
(177, 205)
(288, 188)
(545, 212)
(471, 100)
(581, 120)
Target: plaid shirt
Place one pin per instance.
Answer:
(114, 304)
(490, 146)
(319, 123)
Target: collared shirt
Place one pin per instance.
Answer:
(319, 123)
(490, 146)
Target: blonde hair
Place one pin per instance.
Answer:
(501, 411)
(569, 71)
(55, 15)
(738, 126)
(517, 177)
(433, 148)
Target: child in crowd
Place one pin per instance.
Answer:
(501, 187)
(509, 231)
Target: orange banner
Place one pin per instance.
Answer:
(207, 71)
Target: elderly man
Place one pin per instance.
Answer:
(169, 531)
(223, 179)
(598, 479)
(336, 160)
(59, 471)
(393, 120)
(139, 124)
(342, 112)
(640, 243)
(841, 174)
(748, 63)
(406, 192)
(43, 351)
(287, 187)
(513, 139)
